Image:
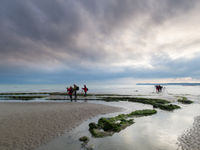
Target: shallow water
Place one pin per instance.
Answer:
(171, 92)
(157, 132)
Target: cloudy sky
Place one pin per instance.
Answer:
(55, 41)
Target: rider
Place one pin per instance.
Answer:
(85, 89)
(75, 89)
(70, 91)
(159, 88)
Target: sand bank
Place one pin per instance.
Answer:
(24, 126)
(190, 140)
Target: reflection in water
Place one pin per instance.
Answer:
(153, 132)
(157, 132)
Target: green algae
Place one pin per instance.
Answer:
(156, 103)
(109, 126)
(140, 113)
(169, 107)
(184, 100)
(84, 139)
(23, 97)
(136, 99)
(32, 93)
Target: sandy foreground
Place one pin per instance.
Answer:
(25, 126)
(190, 140)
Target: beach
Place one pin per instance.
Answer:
(47, 120)
(25, 126)
(190, 140)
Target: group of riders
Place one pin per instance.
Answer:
(159, 88)
(73, 91)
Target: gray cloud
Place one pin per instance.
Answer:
(76, 34)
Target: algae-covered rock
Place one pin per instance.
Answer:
(98, 133)
(156, 103)
(109, 126)
(184, 100)
(145, 112)
(93, 125)
(84, 139)
(169, 107)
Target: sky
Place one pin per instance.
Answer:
(61, 41)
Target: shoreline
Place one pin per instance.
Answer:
(25, 126)
(190, 139)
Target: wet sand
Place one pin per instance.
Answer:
(25, 126)
(190, 140)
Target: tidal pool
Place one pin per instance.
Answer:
(156, 132)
